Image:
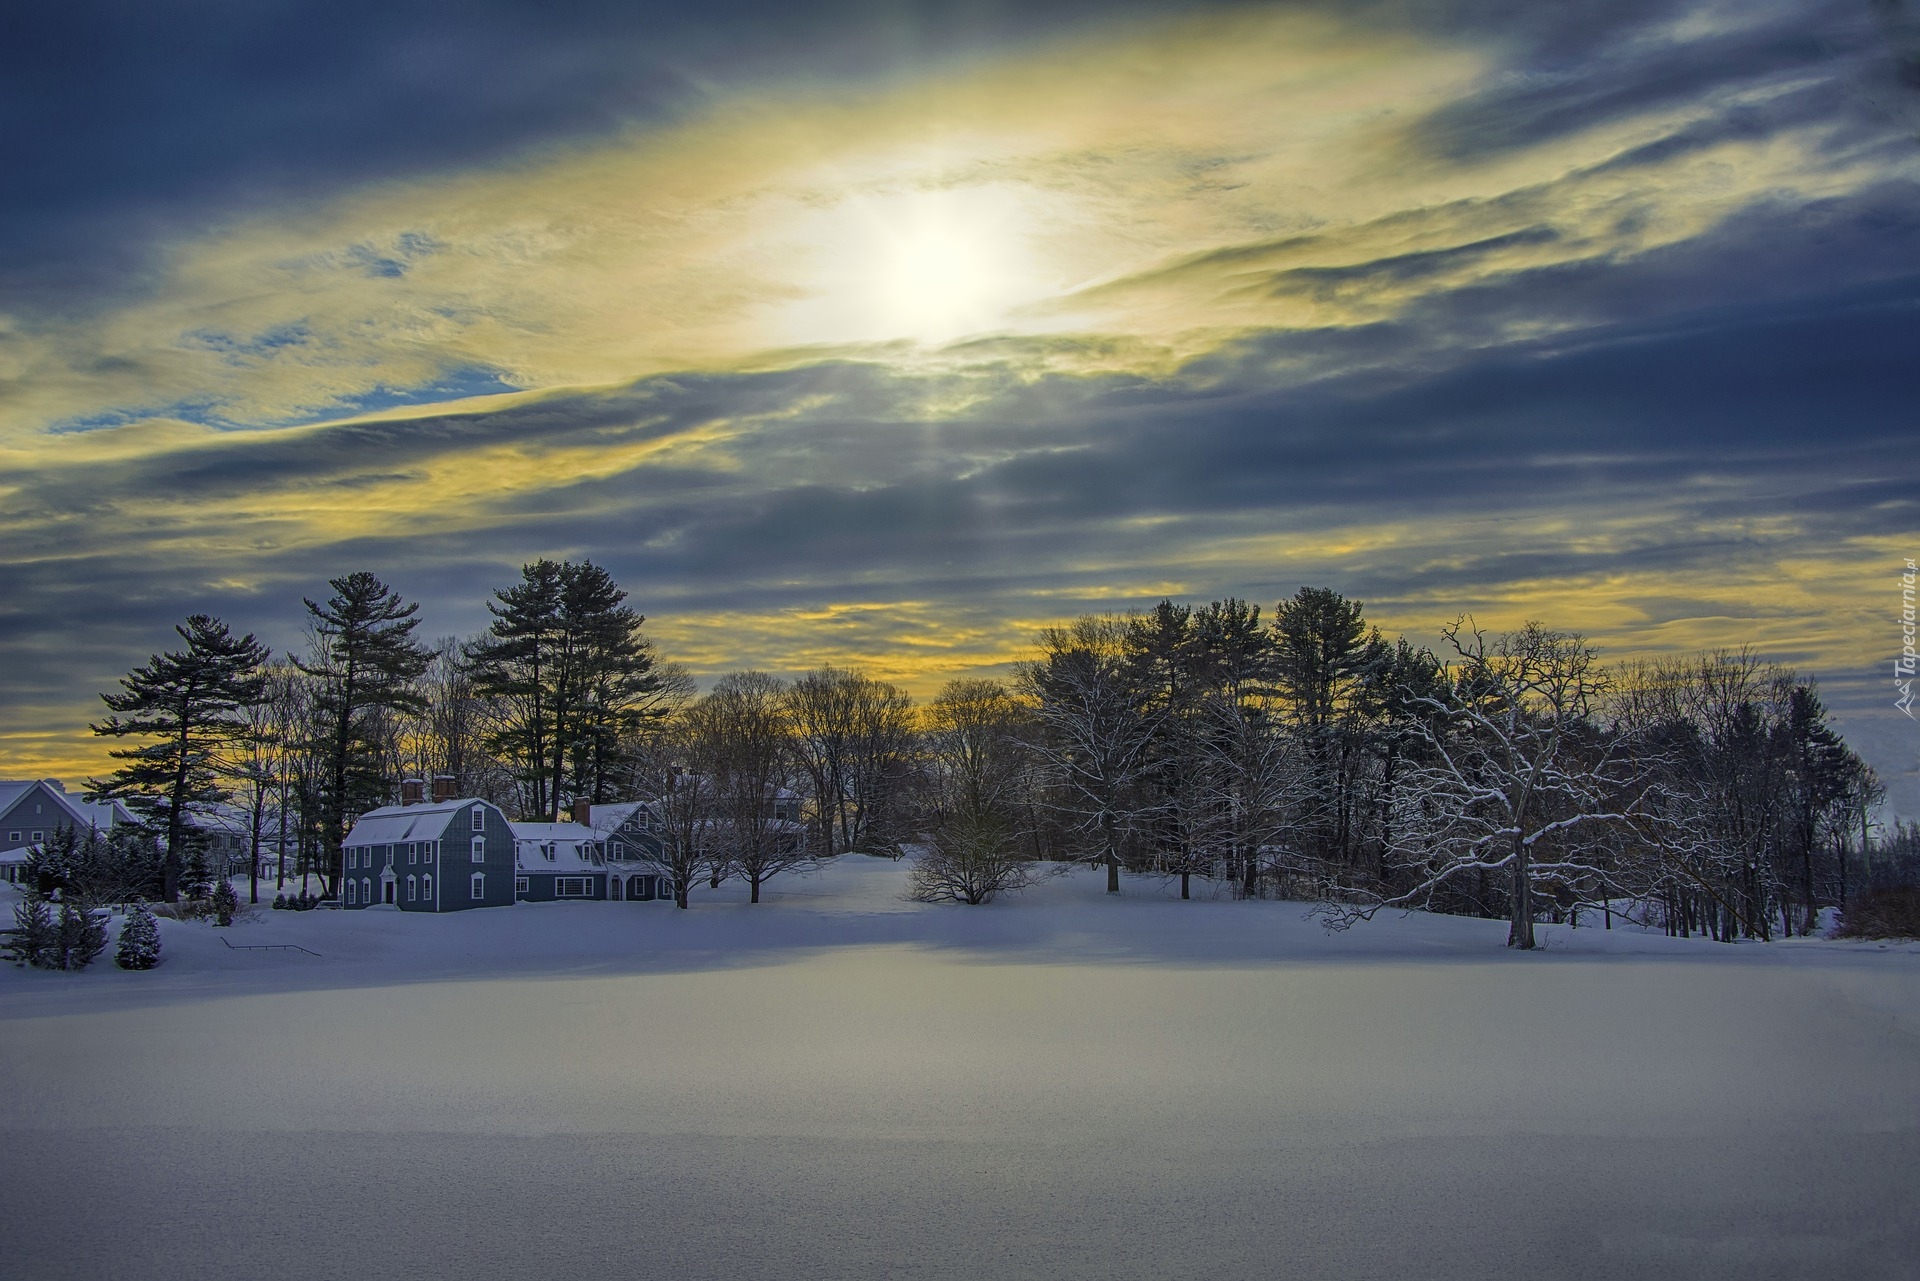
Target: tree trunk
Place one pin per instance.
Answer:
(1185, 878)
(1520, 931)
(1113, 855)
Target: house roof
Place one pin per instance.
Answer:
(571, 844)
(608, 819)
(103, 815)
(425, 822)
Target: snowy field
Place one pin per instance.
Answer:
(840, 1084)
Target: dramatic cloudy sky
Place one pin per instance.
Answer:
(885, 332)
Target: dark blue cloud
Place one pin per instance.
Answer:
(130, 121)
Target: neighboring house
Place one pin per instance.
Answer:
(629, 838)
(31, 810)
(557, 861)
(227, 831)
(442, 856)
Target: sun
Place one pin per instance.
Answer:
(928, 267)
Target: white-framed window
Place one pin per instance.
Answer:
(39, 836)
(413, 852)
(426, 888)
(353, 896)
(479, 849)
(427, 849)
(569, 887)
(619, 851)
(479, 889)
(479, 818)
(13, 838)
(366, 890)
(413, 887)
(521, 885)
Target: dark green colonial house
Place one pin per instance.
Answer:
(436, 856)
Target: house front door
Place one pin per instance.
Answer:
(389, 891)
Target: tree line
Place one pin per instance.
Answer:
(1305, 755)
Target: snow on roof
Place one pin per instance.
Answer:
(551, 832)
(103, 815)
(392, 823)
(611, 818)
(554, 847)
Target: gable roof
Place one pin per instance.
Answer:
(608, 819)
(423, 822)
(72, 810)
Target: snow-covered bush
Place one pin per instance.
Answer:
(139, 940)
(82, 937)
(34, 934)
(69, 941)
(225, 903)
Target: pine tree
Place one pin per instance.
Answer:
(225, 902)
(81, 936)
(139, 940)
(566, 661)
(187, 701)
(365, 660)
(33, 938)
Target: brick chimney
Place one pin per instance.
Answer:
(583, 813)
(443, 788)
(412, 791)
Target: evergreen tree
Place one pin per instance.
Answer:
(565, 660)
(365, 661)
(81, 936)
(188, 702)
(139, 940)
(225, 902)
(34, 937)
(1324, 653)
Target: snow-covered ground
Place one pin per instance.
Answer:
(838, 1083)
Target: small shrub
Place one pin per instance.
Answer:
(139, 940)
(82, 936)
(224, 903)
(34, 935)
(970, 858)
(1883, 914)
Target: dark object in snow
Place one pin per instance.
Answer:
(268, 947)
(1882, 914)
(139, 940)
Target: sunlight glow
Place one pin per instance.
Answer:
(927, 267)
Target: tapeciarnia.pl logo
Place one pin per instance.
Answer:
(1903, 666)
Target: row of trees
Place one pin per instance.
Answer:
(1306, 755)
(1509, 775)
(534, 711)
